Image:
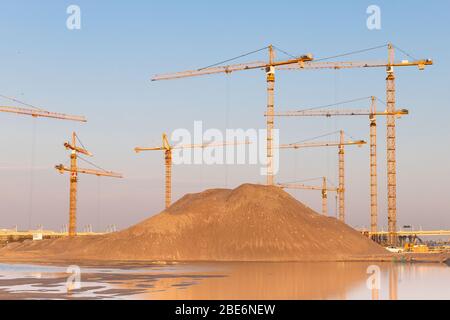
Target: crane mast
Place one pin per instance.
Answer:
(341, 178)
(390, 100)
(324, 190)
(269, 68)
(167, 148)
(340, 144)
(168, 180)
(373, 167)
(270, 78)
(391, 146)
(324, 197)
(306, 63)
(74, 170)
(372, 113)
(39, 113)
(73, 188)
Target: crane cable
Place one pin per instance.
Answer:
(351, 53)
(288, 54)
(335, 104)
(285, 52)
(91, 163)
(366, 50)
(329, 181)
(335, 120)
(32, 165)
(98, 191)
(227, 122)
(305, 180)
(404, 52)
(335, 128)
(79, 140)
(349, 136)
(296, 165)
(317, 137)
(383, 102)
(232, 59)
(316, 60)
(99, 204)
(85, 160)
(20, 102)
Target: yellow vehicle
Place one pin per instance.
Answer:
(421, 248)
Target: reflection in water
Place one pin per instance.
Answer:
(269, 281)
(393, 283)
(349, 280)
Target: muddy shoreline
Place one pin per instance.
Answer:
(395, 258)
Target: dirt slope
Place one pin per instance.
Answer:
(249, 223)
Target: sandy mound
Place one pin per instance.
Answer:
(249, 223)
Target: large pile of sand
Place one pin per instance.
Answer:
(249, 223)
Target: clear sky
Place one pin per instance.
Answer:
(102, 71)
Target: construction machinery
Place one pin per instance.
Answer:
(36, 112)
(390, 64)
(306, 63)
(269, 67)
(372, 113)
(324, 189)
(41, 113)
(340, 144)
(74, 171)
(167, 148)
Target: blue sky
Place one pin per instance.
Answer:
(102, 71)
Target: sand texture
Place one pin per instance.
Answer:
(249, 223)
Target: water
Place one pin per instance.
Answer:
(352, 280)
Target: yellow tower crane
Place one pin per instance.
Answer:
(74, 171)
(372, 113)
(37, 112)
(167, 148)
(390, 64)
(340, 144)
(41, 113)
(269, 66)
(324, 189)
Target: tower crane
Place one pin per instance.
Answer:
(372, 113)
(390, 64)
(340, 144)
(167, 148)
(35, 113)
(269, 66)
(324, 189)
(74, 171)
